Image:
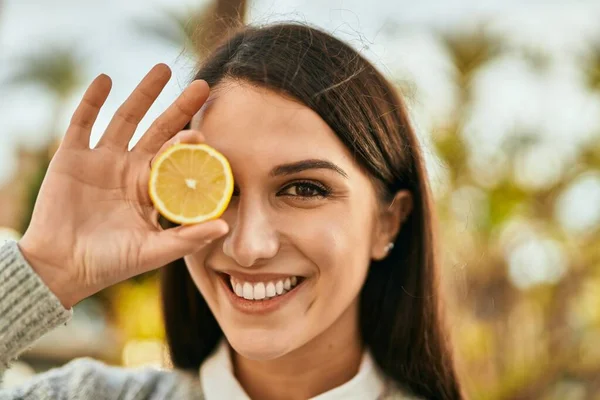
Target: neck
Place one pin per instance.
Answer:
(326, 362)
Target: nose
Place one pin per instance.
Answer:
(251, 237)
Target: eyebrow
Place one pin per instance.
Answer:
(296, 167)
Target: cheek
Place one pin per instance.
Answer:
(337, 241)
(205, 283)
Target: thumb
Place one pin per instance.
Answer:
(200, 233)
(171, 244)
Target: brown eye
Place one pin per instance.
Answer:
(306, 190)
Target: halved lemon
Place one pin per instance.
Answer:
(191, 183)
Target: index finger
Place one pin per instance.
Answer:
(175, 118)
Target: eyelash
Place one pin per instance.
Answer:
(322, 191)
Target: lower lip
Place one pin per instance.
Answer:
(264, 306)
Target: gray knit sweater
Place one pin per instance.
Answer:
(28, 310)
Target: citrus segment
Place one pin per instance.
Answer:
(191, 183)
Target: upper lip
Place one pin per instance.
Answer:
(257, 277)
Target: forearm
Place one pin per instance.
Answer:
(28, 308)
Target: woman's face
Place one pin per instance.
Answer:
(303, 225)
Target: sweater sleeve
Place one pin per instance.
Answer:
(85, 378)
(28, 308)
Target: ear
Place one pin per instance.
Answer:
(390, 222)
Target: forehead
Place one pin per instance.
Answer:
(246, 122)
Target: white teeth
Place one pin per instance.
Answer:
(279, 287)
(259, 291)
(248, 291)
(262, 290)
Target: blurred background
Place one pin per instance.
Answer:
(505, 96)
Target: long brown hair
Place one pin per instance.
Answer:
(400, 316)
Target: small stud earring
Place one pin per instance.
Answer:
(389, 247)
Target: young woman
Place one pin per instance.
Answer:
(331, 201)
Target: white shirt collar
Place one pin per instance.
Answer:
(219, 382)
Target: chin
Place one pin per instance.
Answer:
(260, 344)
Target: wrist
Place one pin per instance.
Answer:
(54, 277)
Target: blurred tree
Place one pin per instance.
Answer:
(469, 50)
(58, 71)
(179, 30)
(197, 30)
(513, 343)
(592, 67)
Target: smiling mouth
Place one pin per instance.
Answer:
(262, 291)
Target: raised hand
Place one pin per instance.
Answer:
(93, 224)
